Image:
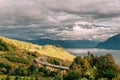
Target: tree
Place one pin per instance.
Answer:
(17, 78)
(72, 75)
(106, 66)
(33, 70)
(19, 71)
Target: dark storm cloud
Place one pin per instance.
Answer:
(32, 19)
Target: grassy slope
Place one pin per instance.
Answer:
(47, 50)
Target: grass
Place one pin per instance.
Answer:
(47, 50)
(16, 59)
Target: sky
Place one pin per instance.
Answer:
(94, 20)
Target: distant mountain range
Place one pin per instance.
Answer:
(66, 43)
(111, 43)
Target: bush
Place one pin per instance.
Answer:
(18, 78)
(7, 78)
(58, 77)
(53, 61)
(18, 60)
(72, 75)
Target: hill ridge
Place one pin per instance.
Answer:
(48, 50)
(111, 43)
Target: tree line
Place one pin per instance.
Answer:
(88, 67)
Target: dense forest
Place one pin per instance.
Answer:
(92, 67)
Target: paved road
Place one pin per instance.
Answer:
(51, 65)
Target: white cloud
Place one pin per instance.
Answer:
(60, 19)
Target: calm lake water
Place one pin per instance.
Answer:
(95, 51)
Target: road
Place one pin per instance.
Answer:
(51, 65)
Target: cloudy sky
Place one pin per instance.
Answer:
(60, 19)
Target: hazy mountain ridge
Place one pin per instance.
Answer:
(111, 43)
(66, 43)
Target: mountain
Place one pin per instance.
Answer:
(66, 43)
(111, 43)
(11, 45)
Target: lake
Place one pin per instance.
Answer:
(95, 51)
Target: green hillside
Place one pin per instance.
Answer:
(11, 45)
(17, 57)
